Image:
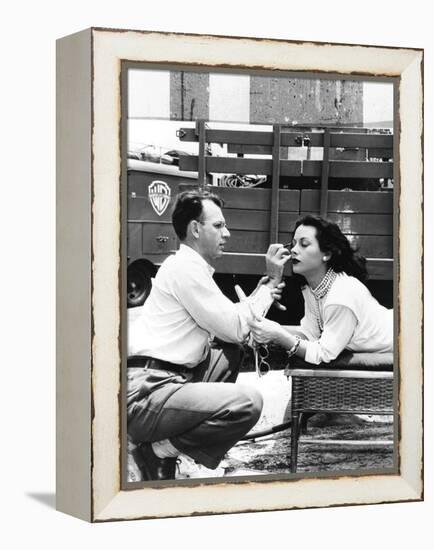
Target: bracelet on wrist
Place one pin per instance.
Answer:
(292, 351)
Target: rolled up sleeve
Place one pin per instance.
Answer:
(213, 311)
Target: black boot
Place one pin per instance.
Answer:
(152, 467)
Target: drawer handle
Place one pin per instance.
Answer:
(162, 238)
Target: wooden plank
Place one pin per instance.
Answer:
(244, 264)
(235, 137)
(253, 241)
(380, 153)
(248, 241)
(344, 139)
(291, 138)
(294, 168)
(241, 264)
(274, 219)
(290, 168)
(252, 198)
(256, 198)
(369, 246)
(286, 234)
(235, 148)
(349, 169)
(361, 224)
(288, 139)
(373, 246)
(230, 165)
(247, 264)
(249, 137)
(298, 139)
(289, 200)
(202, 168)
(325, 170)
(354, 153)
(369, 202)
(229, 136)
(380, 269)
(383, 141)
(144, 236)
(372, 152)
(257, 220)
(287, 221)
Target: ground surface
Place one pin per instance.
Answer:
(272, 454)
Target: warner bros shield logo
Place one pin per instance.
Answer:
(159, 196)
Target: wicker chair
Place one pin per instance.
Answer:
(360, 383)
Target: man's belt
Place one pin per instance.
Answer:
(144, 361)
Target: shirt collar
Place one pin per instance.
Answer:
(185, 250)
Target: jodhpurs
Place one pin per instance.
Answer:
(199, 413)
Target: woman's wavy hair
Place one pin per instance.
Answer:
(331, 240)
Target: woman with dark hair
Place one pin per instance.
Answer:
(340, 312)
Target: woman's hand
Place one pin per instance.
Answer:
(263, 330)
(275, 260)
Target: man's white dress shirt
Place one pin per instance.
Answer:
(186, 308)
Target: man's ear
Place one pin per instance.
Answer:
(193, 228)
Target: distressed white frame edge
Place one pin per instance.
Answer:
(108, 49)
(73, 274)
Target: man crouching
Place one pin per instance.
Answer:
(176, 402)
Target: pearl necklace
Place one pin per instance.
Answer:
(320, 291)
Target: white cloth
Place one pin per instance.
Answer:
(352, 319)
(185, 309)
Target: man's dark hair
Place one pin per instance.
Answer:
(188, 206)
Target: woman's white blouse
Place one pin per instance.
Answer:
(351, 319)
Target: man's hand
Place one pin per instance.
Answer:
(275, 260)
(275, 290)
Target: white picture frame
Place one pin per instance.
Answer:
(89, 270)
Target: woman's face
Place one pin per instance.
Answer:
(307, 258)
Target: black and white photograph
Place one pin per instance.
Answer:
(239, 254)
(259, 255)
(227, 205)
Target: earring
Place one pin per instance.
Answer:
(324, 258)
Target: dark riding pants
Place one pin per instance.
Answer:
(200, 415)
